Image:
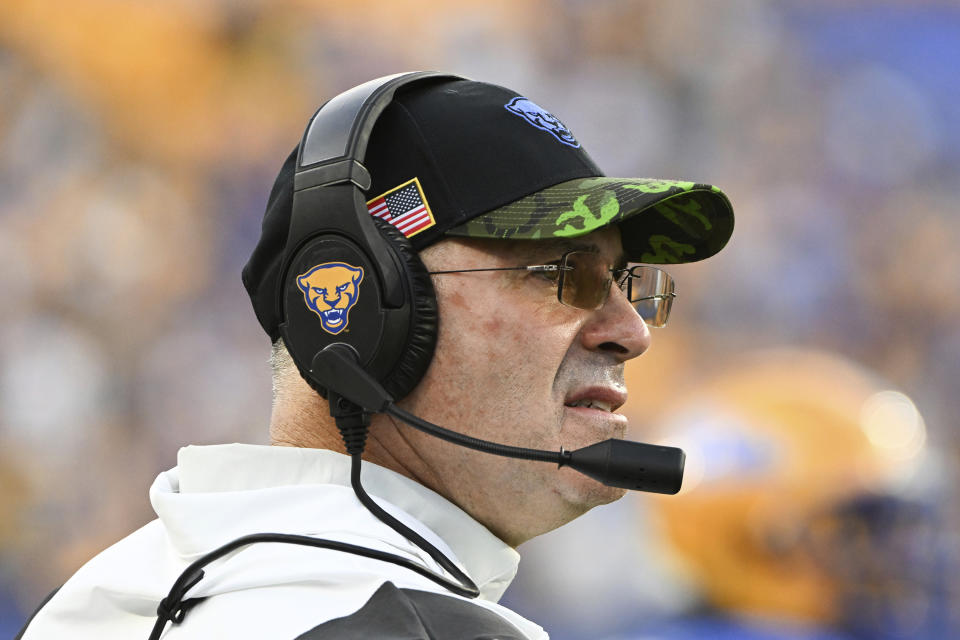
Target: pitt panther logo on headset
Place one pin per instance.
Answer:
(330, 290)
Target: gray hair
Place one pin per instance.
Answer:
(282, 366)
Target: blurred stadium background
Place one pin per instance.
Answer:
(139, 139)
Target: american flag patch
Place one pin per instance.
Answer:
(404, 207)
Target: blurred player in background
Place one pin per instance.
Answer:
(803, 513)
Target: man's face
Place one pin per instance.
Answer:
(515, 366)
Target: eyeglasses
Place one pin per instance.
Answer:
(583, 281)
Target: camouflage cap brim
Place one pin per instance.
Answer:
(661, 221)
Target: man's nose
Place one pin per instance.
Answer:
(616, 328)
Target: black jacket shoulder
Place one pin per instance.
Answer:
(408, 614)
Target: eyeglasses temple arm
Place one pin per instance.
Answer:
(535, 267)
(656, 296)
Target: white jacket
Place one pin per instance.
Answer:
(269, 590)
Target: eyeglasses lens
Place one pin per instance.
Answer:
(651, 291)
(585, 280)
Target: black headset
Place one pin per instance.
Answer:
(386, 336)
(391, 321)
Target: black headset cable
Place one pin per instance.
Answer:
(353, 426)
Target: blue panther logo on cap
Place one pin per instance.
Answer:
(542, 119)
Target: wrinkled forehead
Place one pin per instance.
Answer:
(605, 242)
(460, 252)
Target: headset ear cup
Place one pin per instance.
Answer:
(415, 358)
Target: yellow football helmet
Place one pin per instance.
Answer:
(775, 443)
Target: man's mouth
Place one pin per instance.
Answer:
(593, 414)
(591, 404)
(598, 398)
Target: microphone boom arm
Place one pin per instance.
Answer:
(616, 463)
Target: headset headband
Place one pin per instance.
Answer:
(334, 145)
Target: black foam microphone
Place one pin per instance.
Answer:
(613, 462)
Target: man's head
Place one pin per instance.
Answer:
(477, 177)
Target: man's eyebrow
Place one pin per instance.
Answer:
(570, 245)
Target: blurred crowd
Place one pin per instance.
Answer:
(139, 140)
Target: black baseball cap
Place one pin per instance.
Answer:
(456, 157)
